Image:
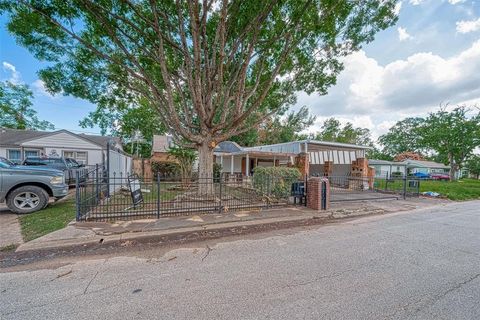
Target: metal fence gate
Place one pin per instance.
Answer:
(349, 188)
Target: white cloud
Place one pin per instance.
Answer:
(403, 34)
(415, 2)
(466, 26)
(39, 88)
(14, 74)
(386, 94)
(454, 2)
(398, 7)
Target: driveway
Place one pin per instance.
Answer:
(423, 264)
(9, 228)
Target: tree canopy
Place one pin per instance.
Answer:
(445, 136)
(279, 129)
(404, 136)
(333, 130)
(453, 134)
(16, 110)
(210, 69)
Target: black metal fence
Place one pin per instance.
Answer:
(103, 197)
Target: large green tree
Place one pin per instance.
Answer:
(16, 110)
(473, 165)
(210, 69)
(333, 130)
(454, 134)
(404, 136)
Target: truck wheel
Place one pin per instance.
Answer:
(27, 199)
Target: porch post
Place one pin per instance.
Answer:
(247, 166)
(221, 161)
(231, 164)
(274, 160)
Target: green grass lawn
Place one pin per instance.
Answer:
(464, 189)
(54, 217)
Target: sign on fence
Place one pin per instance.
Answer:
(135, 189)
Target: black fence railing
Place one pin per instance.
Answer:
(102, 197)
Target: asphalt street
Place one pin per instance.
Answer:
(423, 264)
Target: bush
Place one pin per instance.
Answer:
(276, 181)
(217, 171)
(165, 168)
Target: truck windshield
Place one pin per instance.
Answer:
(5, 163)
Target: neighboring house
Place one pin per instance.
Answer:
(414, 166)
(312, 157)
(385, 168)
(16, 145)
(160, 147)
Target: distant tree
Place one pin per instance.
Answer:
(125, 122)
(210, 69)
(280, 129)
(473, 165)
(333, 130)
(16, 110)
(454, 134)
(404, 136)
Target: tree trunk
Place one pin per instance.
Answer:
(205, 169)
(452, 167)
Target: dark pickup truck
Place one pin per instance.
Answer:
(28, 189)
(69, 166)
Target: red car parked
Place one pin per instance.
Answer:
(439, 176)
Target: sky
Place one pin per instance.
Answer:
(430, 57)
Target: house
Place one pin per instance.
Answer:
(414, 166)
(385, 168)
(312, 157)
(16, 145)
(160, 147)
(388, 168)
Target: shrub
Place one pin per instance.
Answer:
(217, 171)
(276, 181)
(165, 168)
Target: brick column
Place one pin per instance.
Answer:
(359, 167)
(328, 168)
(302, 163)
(314, 193)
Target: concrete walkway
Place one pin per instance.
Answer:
(9, 228)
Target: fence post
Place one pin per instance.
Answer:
(305, 189)
(404, 187)
(108, 169)
(158, 194)
(220, 193)
(77, 195)
(97, 189)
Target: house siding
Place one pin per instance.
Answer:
(56, 144)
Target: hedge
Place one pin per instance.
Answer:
(276, 181)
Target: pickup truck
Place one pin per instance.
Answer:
(69, 166)
(27, 189)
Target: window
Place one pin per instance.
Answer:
(80, 156)
(31, 153)
(14, 155)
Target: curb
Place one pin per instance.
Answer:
(169, 233)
